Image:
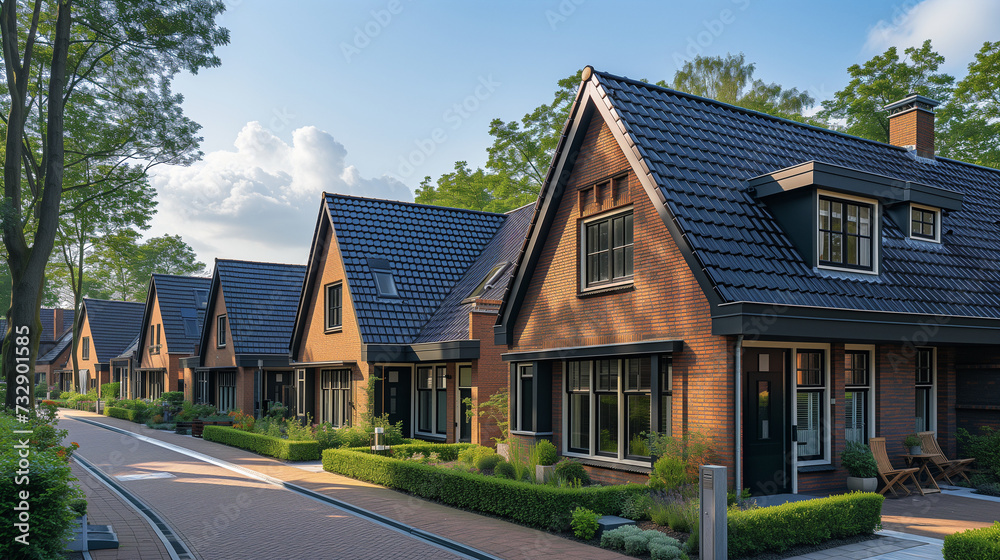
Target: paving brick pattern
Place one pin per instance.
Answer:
(493, 536)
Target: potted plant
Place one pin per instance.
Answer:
(545, 456)
(912, 442)
(862, 470)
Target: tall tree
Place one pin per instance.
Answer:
(730, 80)
(882, 80)
(100, 78)
(972, 118)
(121, 265)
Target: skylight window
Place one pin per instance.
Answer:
(489, 281)
(200, 298)
(385, 284)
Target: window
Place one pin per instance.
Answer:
(610, 406)
(924, 223)
(220, 340)
(846, 234)
(385, 284)
(666, 394)
(607, 250)
(810, 401)
(227, 391)
(300, 392)
(200, 298)
(857, 385)
(432, 400)
(190, 319)
(202, 395)
(489, 281)
(334, 306)
(525, 398)
(336, 397)
(578, 388)
(156, 384)
(154, 339)
(85, 353)
(926, 419)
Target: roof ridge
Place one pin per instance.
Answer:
(752, 112)
(509, 212)
(218, 260)
(418, 204)
(113, 300)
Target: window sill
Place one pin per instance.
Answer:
(627, 465)
(834, 268)
(825, 467)
(430, 437)
(529, 434)
(333, 330)
(613, 289)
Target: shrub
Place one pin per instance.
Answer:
(241, 420)
(123, 413)
(974, 544)
(262, 444)
(633, 540)
(984, 447)
(677, 509)
(615, 538)
(989, 489)
(571, 471)
(486, 462)
(857, 458)
(299, 431)
(694, 449)
(636, 507)
(546, 453)
(584, 523)
(111, 390)
(779, 528)
(531, 504)
(669, 472)
(504, 470)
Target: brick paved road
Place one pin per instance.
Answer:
(221, 514)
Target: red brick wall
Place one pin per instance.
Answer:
(913, 128)
(489, 374)
(666, 302)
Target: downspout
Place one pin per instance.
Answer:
(738, 475)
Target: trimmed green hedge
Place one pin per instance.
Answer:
(446, 451)
(264, 445)
(779, 528)
(123, 413)
(538, 505)
(974, 544)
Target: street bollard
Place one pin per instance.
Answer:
(712, 530)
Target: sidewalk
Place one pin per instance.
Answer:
(488, 534)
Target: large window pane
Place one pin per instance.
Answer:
(637, 414)
(608, 254)
(442, 411)
(855, 416)
(810, 425)
(607, 424)
(579, 422)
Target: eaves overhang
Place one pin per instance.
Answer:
(763, 321)
(452, 350)
(265, 360)
(597, 351)
(817, 174)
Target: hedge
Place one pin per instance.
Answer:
(262, 444)
(538, 505)
(123, 413)
(446, 451)
(779, 528)
(974, 544)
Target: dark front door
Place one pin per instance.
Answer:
(464, 404)
(765, 437)
(393, 396)
(276, 388)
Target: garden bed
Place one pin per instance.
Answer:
(263, 444)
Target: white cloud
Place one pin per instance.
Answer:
(260, 202)
(956, 28)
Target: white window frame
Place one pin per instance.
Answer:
(582, 250)
(933, 412)
(622, 456)
(876, 232)
(937, 223)
(870, 349)
(433, 433)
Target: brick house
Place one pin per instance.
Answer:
(694, 266)
(170, 330)
(242, 362)
(406, 294)
(106, 329)
(54, 347)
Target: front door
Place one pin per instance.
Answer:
(393, 396)
(276, 388)
(766, 459)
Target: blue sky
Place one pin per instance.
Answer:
(366, 98)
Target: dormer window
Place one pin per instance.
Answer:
(489, 281)
(385, 284)
(925, 223)
(846, 233)
(200, 298)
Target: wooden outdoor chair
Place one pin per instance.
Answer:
(947, 468)
(892, 477)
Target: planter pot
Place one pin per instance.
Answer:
(862, 484)
(197, 427)
(503, 450)
(544, 473)
(916, 450)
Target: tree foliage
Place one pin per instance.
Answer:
(121, 265)
(973, 115)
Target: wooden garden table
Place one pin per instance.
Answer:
(923, 459)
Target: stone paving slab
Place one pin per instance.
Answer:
(493, 536)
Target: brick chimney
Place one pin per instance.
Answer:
(58, 318)
(911, 124)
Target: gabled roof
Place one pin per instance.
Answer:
(695, 158)
(47, 316)
(60, 346)
(261, 300)
(113, 325)
(451, 320)
(180, 311)
(429, 249)
(131, 351)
